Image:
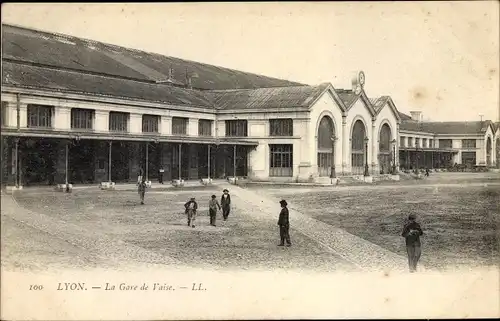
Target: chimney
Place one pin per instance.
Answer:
(189, 83)
(416, 115)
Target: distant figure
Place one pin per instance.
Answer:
(191, 208)
(142, 190)
(427, 172)
(140, 175)
(160, 175)
(213, 204)
(284, 224)
(225, 202)
(412, 232)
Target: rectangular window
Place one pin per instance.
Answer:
(4, 113)
(468, 143)
(402, 141)
(205, 127)
(150, 123)
(424, 142)
(410, 142)
(431, 143)
(469, 158)
(39, 116)
(82, 118)
(281, 127)
(445, 143)
(179, 125)
(236, 128)
(417, 142)
(281, 160)
(118, 122)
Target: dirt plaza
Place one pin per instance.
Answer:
(92, 228)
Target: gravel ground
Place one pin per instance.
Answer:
(461, 223)
(159, 226)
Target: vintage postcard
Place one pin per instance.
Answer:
(171, 161)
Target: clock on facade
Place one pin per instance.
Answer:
(361, 78)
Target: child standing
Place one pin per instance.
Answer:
(191, 208)
(142, 190)
(213, 204)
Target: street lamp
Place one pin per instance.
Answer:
(417, 156)
(332, 172)
(366, 157)
(394, 157)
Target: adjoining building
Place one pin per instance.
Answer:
(425, 144)
(83, 111)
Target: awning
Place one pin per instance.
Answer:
(48, 133)
(428, 149)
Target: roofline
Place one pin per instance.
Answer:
(143, 51)
(329, 88)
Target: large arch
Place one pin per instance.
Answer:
(385, 156)
(326, 154)
(358, 150)
(488, 151)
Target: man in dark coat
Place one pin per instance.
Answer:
(225, 203)
(284, 224)
(191, 208)
(412, 232)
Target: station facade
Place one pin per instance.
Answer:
(425, 144)
(80, 111)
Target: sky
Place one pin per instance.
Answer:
(441, 58)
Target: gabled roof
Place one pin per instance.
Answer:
(404, 117)
(448, 128)
(68, 52)
(347, 96)
(268, 98)
(379, 103)
(35, 77)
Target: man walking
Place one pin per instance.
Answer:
(142, 190)
(412, 232)
(284, 224)
(160, 175)
(225, 202)
(213, 204)
(191, 208)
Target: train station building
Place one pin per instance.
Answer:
(81, 111)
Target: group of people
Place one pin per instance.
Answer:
(411, 230)
(191, 208)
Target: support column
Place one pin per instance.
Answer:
(374, 157)
(234, 161)
(180, 162)
(16, 162)
(146, 172)
(208, 163)
(109, 162)
(345, 139)
(332, 171)
(367, 172)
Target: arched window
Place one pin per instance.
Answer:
(326, 130)
(384, 149)
(358, 148)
